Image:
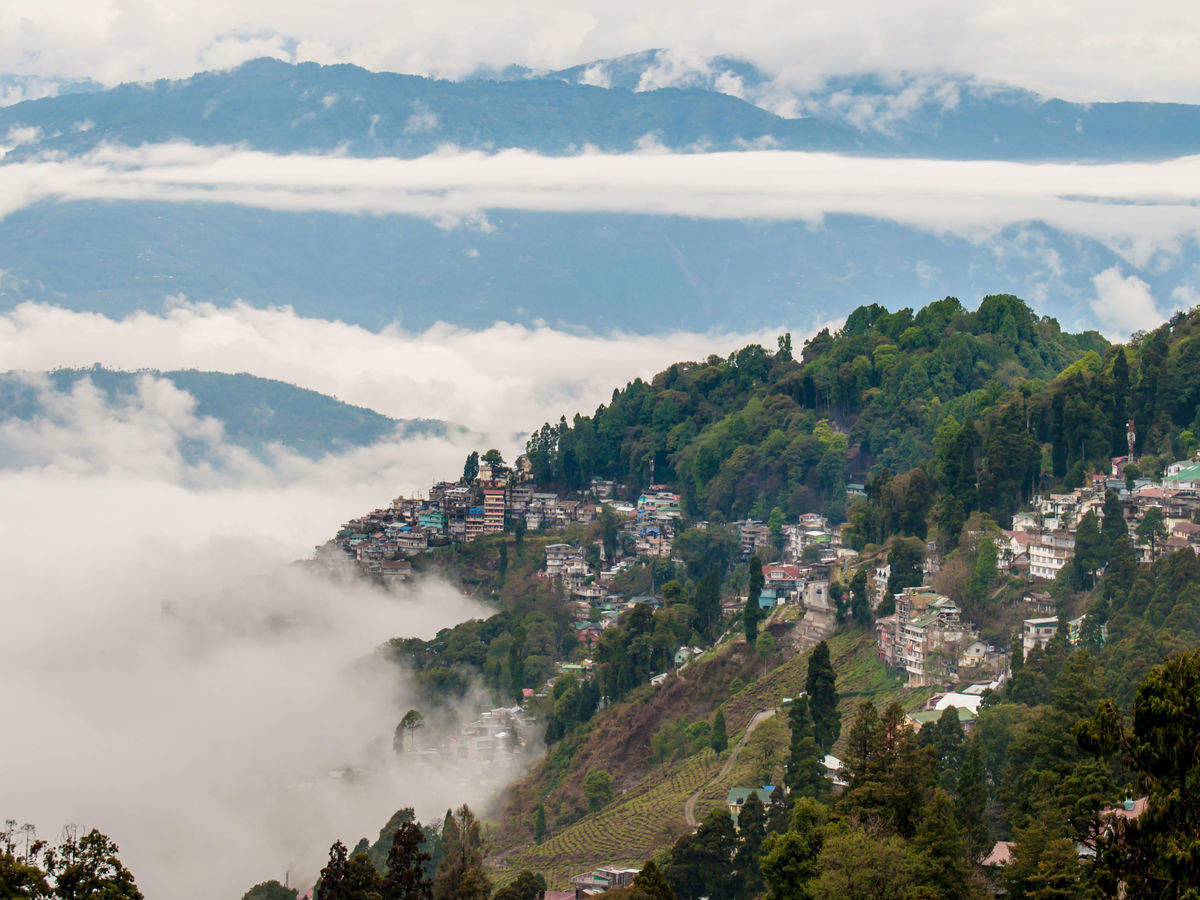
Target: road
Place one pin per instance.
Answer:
(689, 808)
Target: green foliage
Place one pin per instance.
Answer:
(805, 773)
(702, 863)
(267, 890)
(598, 789)
(539, 823)
(719, 739)
(526, 886)
(460, 874)
(820, 686)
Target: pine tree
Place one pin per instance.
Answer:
(335, 877)
(460, 875)
(407, 876)
(650, 883)
(1113, 525)
(708, 603)
(971, 794)
(719, 740)
(820, 685)
(777, 811)
(539, 823)
(805, 777)
(860, 605)
(943, 850)
(752, 831)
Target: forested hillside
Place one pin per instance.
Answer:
(987, 393)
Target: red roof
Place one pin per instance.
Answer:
(779, 571)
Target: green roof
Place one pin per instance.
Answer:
(738, 796)
(1189, 473)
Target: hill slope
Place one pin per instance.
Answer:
(254, 412)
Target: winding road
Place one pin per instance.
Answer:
(689, 808)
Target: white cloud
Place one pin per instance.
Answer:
(1124, 304)
(423, 119)
(501, 380)
(1135, 208)
(1084, 50)
(182, 685)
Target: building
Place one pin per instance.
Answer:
(737, 797)
(1038, 632)
(590, 884)
(752, 537)
(493, 510)
(1050, 552)
(923, 637)
(557, 557)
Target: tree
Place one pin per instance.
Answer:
(1154, 855)
(651, 884)
(266, 890)
(789, 858)
(971, 795)
(858, 865)
(471, 467)
(502, 568)
(860, 605)
(1089, 550)
(408, 874)
(805, 775)
(753, 613)
(820, 685)
(519, 529)
(775, 523)
(22, 879)
(942, 850)
(1152, 529)
(752, 831)
(411, 722)
(777, 810)
(88, 867)
(719, 740)
(610, 524)
(528, 885)
(702, 863)
(708, 603)
(460, 874)
(906, 559)
(982, 574)
(539, 823)
(598, 789)
(363, 880)
(1043, 864)
(1113, 525)
(335, 877)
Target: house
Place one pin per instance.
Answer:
(396, 569)
(752, 537)
(1049, 553)
(493, 509)
(915, 720)
(589, 884)
(1038, 632)
(737, 797)
(928, 629)
(782, 578)
(558, 556)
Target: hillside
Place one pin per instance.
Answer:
(255, 412)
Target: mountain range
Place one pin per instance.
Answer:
(595, 270)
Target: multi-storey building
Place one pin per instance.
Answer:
(493, 509)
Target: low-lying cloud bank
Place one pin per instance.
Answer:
(172, 677)
(501, 381)
(1135, 208)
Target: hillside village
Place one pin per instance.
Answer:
(927, 640)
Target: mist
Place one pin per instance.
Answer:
(174, 679)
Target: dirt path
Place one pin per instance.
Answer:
(689, 808)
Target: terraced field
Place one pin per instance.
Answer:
(630, 830)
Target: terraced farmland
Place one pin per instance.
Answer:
(643, 821)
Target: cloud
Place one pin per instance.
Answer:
(178, 681)
(1135, 208)
(1124, 304)
(502, 381)
(1088, 51)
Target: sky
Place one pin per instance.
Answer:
(1076, 49)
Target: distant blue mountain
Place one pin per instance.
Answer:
(600, 271)
(255, 412)
(275, 106)
(597, 271)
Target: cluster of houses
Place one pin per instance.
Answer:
(381, 541)
(1042, 541)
